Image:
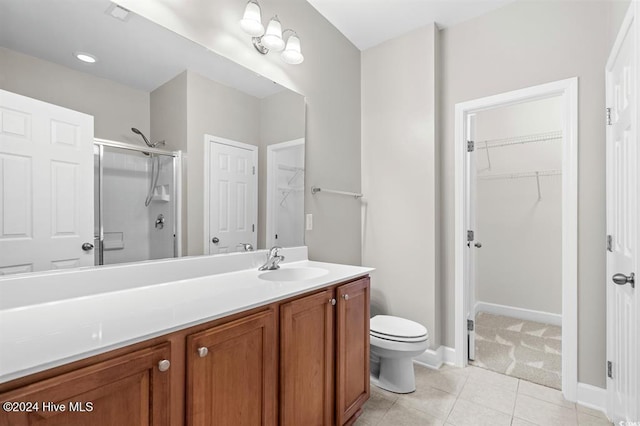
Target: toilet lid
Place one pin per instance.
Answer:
(395, 327)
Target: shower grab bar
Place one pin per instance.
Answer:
(123, 145)
(315, 190)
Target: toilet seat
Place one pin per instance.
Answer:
(397, 329)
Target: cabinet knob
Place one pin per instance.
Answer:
(345, 296)
(332, 301)
(203, 351)
(164, 365)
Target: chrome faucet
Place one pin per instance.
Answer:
(245, 246)
(273, 258)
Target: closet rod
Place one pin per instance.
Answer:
(538, 137)
(520, 175)
(315, 189)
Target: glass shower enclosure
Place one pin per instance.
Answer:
(137, 199)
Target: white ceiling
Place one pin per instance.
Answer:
(135, 52)
(370, 22)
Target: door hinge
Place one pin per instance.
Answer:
(609, 243)
(610, 369)
(253, 227)
(470, 235)
(470, 146)
(254, 170)
(470, 325)
(609, 117)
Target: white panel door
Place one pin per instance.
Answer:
(233, 197)
(622, 225)
(472, 270)
(46, 186)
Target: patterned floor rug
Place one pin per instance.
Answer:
(524, 349)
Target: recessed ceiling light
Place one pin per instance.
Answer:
(85, 57)
(118, 12)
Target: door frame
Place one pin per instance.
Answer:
(208, 140)
(568, 91)
(271, 177)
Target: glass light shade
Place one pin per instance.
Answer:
(272, 39)
(251, 22)
(292, 53)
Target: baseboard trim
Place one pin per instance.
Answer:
(520, 313)
(592, 397)
(435, 358)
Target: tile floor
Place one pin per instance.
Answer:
(473, 396)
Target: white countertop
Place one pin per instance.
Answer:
(40, 336)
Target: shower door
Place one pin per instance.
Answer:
(136, 207)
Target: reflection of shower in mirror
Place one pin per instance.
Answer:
(155, 166)
(128, 226)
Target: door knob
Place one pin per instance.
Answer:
(215, 240)
(203, 351)
(87, 247)
(332, 301)
(478, 245)
(345, 296)
(622, 279)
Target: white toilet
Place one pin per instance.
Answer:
(394, 342)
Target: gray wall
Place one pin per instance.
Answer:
(329, 78)
(399, 177)
(169, 123)
(520, 45)
(115, 107)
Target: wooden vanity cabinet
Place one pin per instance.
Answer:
(324, 356)
(232, 373)
(303, 361)
(131, 389)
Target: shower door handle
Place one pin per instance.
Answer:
(87, 247)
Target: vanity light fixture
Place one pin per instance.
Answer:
(274, 38)
(85, 57)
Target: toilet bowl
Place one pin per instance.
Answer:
(394, 342)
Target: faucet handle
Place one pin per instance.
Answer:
(273, 251)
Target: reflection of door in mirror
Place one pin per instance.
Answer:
(285, 192)
(232, 204)
(46, 186)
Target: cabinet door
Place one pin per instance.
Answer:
(306, 360)
(127, 390)
(232, 373)
(352, 359)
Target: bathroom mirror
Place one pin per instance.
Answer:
(179, 96)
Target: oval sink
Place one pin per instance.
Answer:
(293, 274)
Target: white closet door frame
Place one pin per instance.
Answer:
(568, 90)
(272, 181)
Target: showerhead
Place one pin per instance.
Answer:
(138, 132)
